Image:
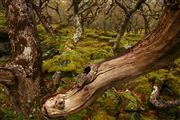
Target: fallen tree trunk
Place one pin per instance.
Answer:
(157, 50)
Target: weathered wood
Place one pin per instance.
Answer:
(79, 28)
(155, 100)
(156, 50)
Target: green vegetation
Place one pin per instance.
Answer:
(2, 19)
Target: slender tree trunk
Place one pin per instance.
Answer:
(146, 25)
(128, 14)
(24, 68)
(79, 29)
(43, 20)
(78, 21)
(120, 34)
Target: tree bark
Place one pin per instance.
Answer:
(43, 20)
(128, 15)
(79, 29)
(25, 63)
(146, 24)
(156, 50)
(77, 20)
(120, 34)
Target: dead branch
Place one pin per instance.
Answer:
(155, 100)
(155, 51)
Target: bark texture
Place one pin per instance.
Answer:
(77, 20)
(121, 32)
(155, 51)
(79, 29)
(25, 63)
(43, 20)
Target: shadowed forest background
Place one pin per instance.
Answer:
(76, 33)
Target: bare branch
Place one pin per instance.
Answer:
(43, 20)
(137, 6)
(154, 99)
(122, 6)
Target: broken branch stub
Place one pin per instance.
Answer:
(62, 102)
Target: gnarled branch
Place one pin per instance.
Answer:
(154, 99)
(155, 51)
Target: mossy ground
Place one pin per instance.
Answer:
(130, 101)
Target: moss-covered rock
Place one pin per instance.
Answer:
(129, 102)
(108, 102)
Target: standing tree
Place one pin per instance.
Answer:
(85, 11)
(22, 75)
(128, 14)
(38, 10)
(77, 19)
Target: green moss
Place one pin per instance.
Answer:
(159, 76)
(3, 21)
(111, 34)
(100, 53)
(130, 116)
(105, 38)
(47, 65)
(128, 101)
(108, 102)
(78, 116)
(173, 83)
(67, 61)
(137, 116)
(101, 115)
(92, 35)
